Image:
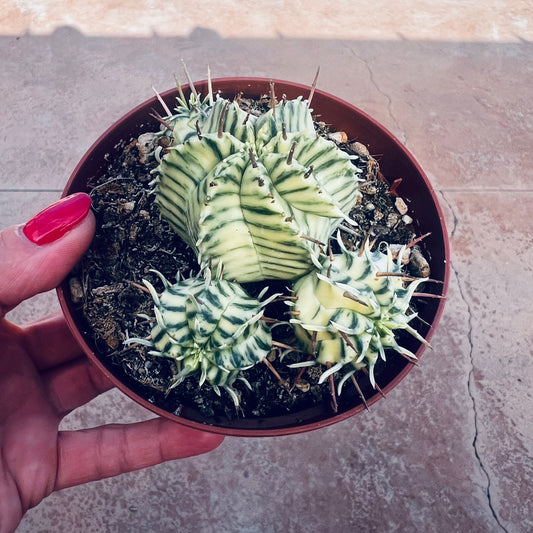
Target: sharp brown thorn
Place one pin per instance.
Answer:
(390, 274)
(275, 372)
(410, 359)
(221, 120)
(313, 87)
(397, 275)
(395, 184)
(378, 388)
(354, 298)
(269, 320)
(307, 238)
(286, 346)
(428, 295)
(348, 341)
(291, 152)
(308, 172)
(252, 158)
(158, 117)
(138, 286)
(198, 132)
(359, 391)
(418, 239)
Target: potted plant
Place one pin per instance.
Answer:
(300, 257)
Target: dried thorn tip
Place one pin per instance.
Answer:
(313, 87)
(394, 187)
(221, 121)
(291, 153)
(359, 391)
(283, 383)
(252, 157)
(418, 239)
(159, 119)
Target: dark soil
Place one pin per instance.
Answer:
(131, 240)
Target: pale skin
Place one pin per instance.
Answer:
(44, 376)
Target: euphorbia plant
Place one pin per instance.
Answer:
(258, 197)
(210, 327)
(257, 194)
(346, 313)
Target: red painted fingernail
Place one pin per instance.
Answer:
(59, 218)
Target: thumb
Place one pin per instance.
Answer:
(35, 257)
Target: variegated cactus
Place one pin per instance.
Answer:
(258, 198)
(347, 312)
(259, 195)
(210, 327)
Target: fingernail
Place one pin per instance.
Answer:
(59, 218)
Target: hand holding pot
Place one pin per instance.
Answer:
(44, 376)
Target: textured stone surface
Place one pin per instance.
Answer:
(451, 448)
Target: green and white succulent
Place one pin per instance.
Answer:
(347, 312)
(258, 198)
(210, 327)
(260, 195)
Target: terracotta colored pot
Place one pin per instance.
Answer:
(395, 162)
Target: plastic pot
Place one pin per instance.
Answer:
(395, 162)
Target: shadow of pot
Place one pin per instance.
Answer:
(395, 162)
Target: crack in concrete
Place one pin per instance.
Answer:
(470, 382)
(452, 211)
(403, 135)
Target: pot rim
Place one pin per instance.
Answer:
(169, 97)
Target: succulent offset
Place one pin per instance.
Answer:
(257, 194)
(209, 327)
(347, 312)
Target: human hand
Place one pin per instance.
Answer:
(44, 376)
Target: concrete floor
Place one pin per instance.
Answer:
(451, 448)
